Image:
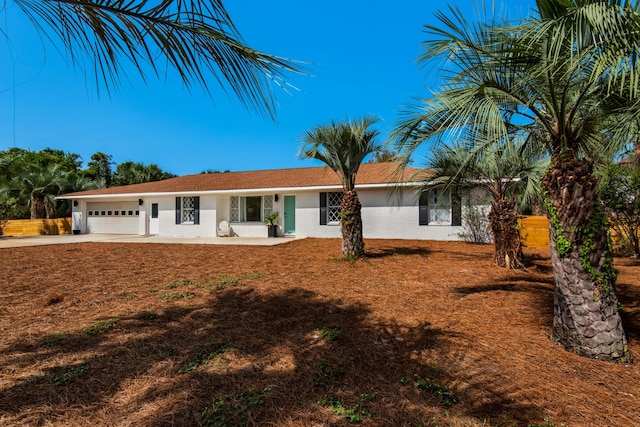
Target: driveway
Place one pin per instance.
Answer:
(14, 242)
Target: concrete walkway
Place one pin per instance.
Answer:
(14, 242)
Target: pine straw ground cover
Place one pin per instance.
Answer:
(419, 333)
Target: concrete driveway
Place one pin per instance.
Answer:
(14, 242)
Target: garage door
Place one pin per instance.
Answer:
(117, 218)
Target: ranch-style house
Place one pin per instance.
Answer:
(307, 200)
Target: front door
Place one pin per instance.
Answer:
(289, 214)
(154, 220)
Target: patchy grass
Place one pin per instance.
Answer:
(59, 375)
(202, 356)
(100, 326)
(330, 333)
(233, 409)
(355, 413)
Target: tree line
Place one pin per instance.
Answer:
(31, 180)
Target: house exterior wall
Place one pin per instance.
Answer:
(383, 216)
(167, 217)
(248, 229)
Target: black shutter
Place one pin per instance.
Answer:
(456, 208)
(178, 210)
(323, 208)
(196, 205)
(423, 209)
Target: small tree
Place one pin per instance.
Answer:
(620, 194)
(343, 147)
(504, 171)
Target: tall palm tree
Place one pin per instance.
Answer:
(343, 146)
(196, 39)
(505, 172)
(542, 77)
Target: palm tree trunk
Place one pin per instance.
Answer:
(503, 219)
(586, 317)
(351, 221)
(38, 210)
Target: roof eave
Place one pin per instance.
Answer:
(234, 191)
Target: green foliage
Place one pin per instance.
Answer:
(605, 277)
(100, 168)
(136, 173)
(53, 340)
(330, 333)
(100, 326)
(30, 180)
(222, 281)
(145, 315)
(232, 410)
(563, 244)
(59, 375)
(620, 194)
(216, 283)
(329, 370)
(354, 413)
(202, 356)
(426, 384)
(175, 296)
(272, 218)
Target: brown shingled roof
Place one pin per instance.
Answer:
(369, 173)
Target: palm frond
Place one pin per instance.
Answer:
(194, 38)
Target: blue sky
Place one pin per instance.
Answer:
(362, 61)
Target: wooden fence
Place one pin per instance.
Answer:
(35, 227)
(534, 231)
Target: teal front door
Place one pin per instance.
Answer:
(289, 214)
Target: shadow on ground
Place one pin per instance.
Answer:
(246, 357)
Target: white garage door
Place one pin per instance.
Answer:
(117, 218)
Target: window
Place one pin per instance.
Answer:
(330, 207)
(187, 210)
(250, 208)
(438, 207)
(268, 204)
(154, 210)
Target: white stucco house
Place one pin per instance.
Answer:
(307, 199)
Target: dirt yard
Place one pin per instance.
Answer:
(419, 333)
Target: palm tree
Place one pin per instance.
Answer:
(136, 173)
(504, 172)
(539, 76)
(37, 187)
(196, 39)
(343, 147)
